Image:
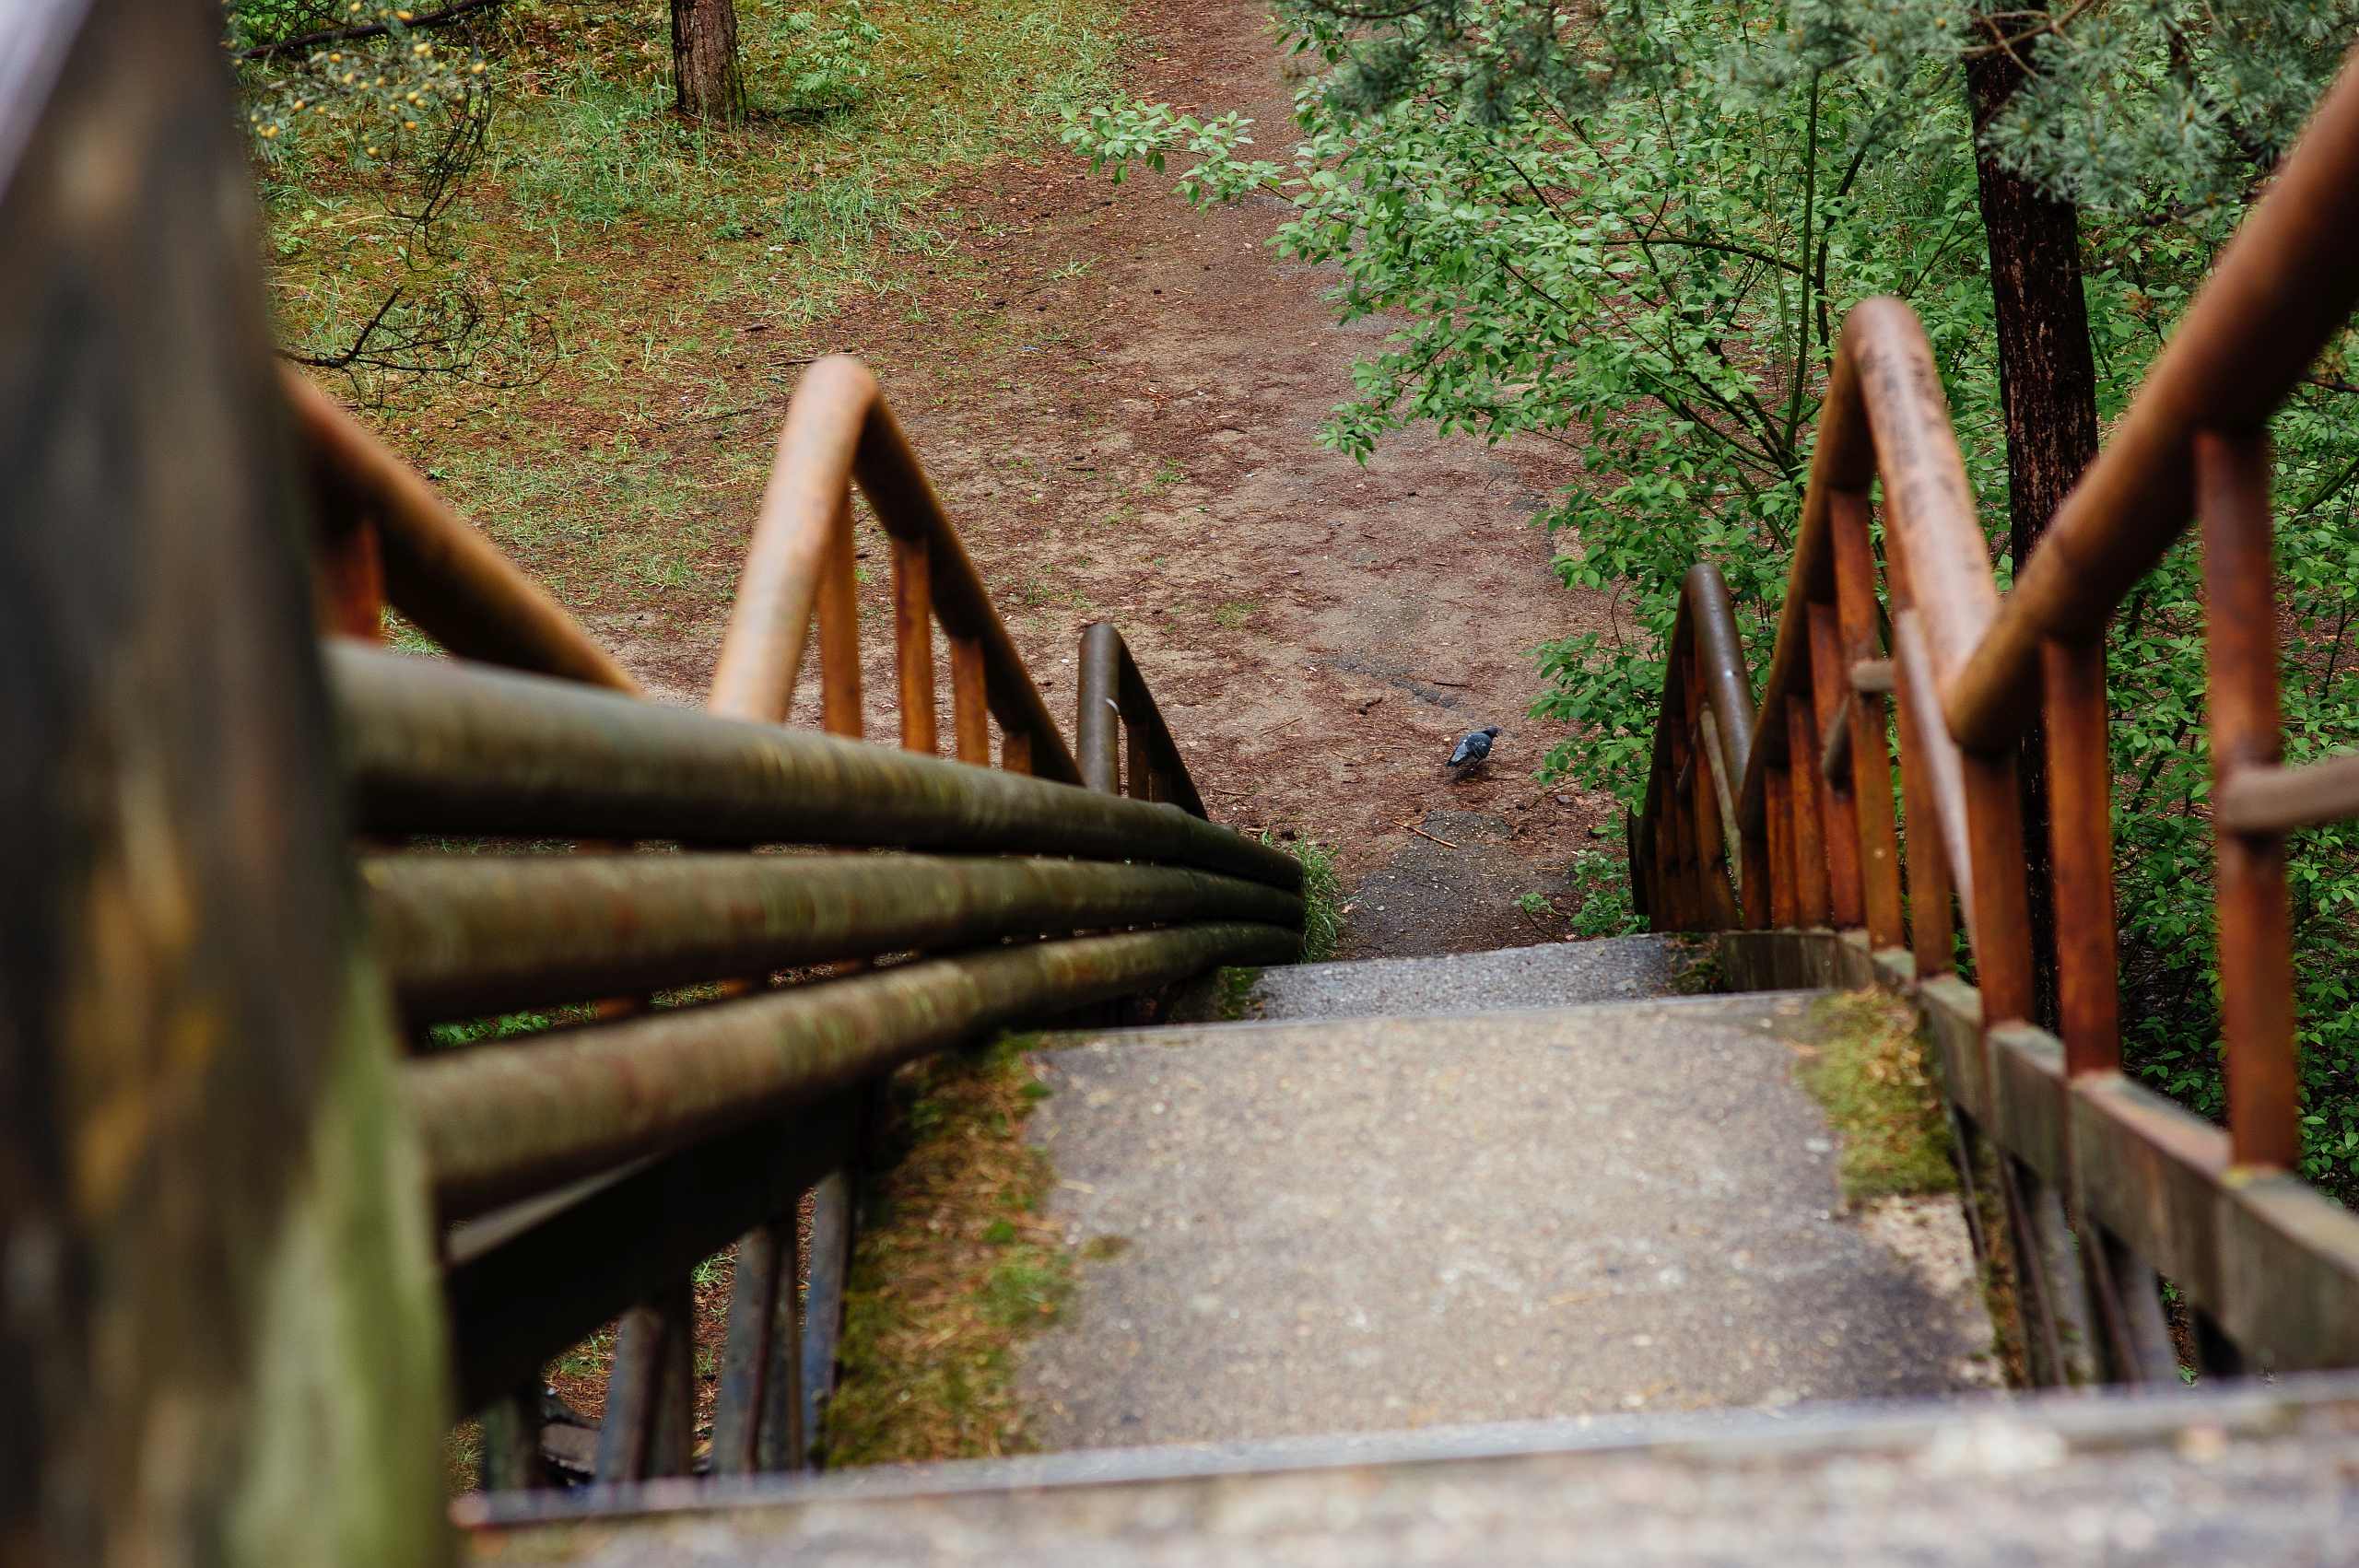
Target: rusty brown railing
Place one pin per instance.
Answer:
(800, 569)
(582, 1172)
(1683, 843)
(1114, 706)
(2103, 1182)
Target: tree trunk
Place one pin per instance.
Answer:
(2048, 387)
(704, 61)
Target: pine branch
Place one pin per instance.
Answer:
(442, 18)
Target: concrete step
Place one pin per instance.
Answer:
(1362, 1224)
(2247, 1474)
(1558, 975)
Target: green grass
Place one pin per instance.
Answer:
(1322, 897)
(447, 1036)
(1873, 1074)
(617, 255)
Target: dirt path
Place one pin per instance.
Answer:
(1118, 399)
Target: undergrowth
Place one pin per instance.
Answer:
(1603, 884)
(1322, 895)
(1873, 1074)
(954, 1265)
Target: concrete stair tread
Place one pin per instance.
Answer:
(1358, 1223)
(2246, 1473)
(1557, 974)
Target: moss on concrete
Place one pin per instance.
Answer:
(1873, 1073)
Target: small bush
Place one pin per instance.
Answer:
(1603, 881)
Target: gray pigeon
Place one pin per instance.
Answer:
(1473, 747)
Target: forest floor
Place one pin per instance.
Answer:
(1118, 399)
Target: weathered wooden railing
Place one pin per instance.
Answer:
(585, 1170)
(2103, 1182)
(1115, 707)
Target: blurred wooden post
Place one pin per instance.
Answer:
(1811, 899)
(1678, 830)
(1994, 826)
(1932, 923)
(970, 714)
(1715, 811)
(222, 1340)
(2256, 926)
(758, 1350)
(1753, 889)
(2080, 827)
(1830, 684)
(651, 1393)
(1784, 911)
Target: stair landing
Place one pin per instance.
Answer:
(1358, 1223)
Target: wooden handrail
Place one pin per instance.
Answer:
(1967, 671)
(839, 430)
(383, 525)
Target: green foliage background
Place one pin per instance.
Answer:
(1634, 228)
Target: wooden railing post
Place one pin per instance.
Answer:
(2256, 925)
(2080, 808)
(1933, 924)
(650, 1392)
(1779, 813)
(1097, 719)
(1829, 684)
(1670, 910)
(1994, 829)
(1758, 850)
(1811, 906)
(756, 1423)
(1715, 899)
(913, 642)
(834, 1215)
(1854, 603)
(970, 713)
(1679, 803)
(1716, 806)
(839, 614)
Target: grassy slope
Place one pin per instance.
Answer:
(671, 276)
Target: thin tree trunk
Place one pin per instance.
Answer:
(2047, 386)
(704, 61)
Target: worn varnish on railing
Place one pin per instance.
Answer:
(584, 1171)
(2103, 1182)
